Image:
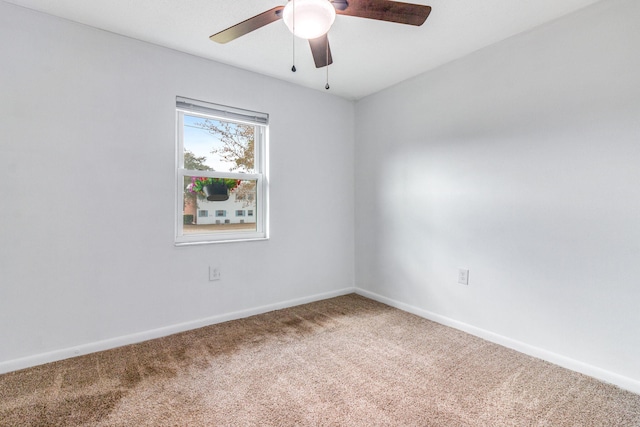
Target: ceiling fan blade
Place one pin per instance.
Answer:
(386, 10)
(245, 27)
(321, 51)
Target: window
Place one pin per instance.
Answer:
(221, 166)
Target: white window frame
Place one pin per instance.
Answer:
(234, 115)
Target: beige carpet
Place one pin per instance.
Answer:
(346, 361)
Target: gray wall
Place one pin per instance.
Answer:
(87, 180)
(520, 162)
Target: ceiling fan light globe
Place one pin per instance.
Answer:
(313, 18)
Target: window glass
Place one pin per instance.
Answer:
(211, 144)
(204, 194)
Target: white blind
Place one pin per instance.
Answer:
(222, 111)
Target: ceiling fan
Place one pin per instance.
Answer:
(312, 19)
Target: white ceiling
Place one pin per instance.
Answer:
(368, 55)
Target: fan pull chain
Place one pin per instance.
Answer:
(327, 85)
(293, 38)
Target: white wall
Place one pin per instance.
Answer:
(87, 140)
(520, 162)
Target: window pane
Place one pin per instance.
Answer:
(223, 146)
(220, 199)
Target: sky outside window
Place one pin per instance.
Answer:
(200, 142)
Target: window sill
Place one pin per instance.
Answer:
(211, 242)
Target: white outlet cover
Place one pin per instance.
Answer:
(214, 274)
(463, 276)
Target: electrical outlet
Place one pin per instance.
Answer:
(463, 276)
(214, 273)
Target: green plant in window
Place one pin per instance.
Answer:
(198, 183)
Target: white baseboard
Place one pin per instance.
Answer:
(66, 353)
(557, 359)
